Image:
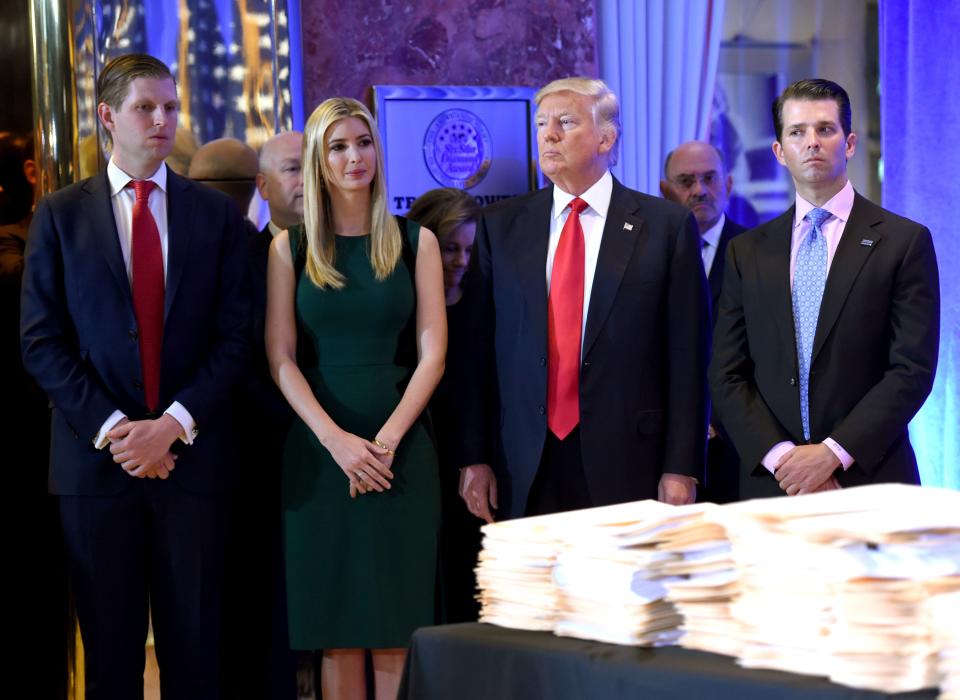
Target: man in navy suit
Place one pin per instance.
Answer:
(827, 337)
(694, 176)
(135, 323)
(585, 384)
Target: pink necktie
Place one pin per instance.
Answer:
(147, 257)
(565, 319)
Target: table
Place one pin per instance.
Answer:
(485, 662)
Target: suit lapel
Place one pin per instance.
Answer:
(104, 228)
(716, 269)
(620, 233)
(179, 214)
(773, 271)
(530, 248)
(847, 261)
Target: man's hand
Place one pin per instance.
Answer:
(478, 489)
(677, 489)
(806, 468)
(139, 446)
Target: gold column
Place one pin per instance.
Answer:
(55, 133)
(54, 93)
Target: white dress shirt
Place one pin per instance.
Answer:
(840, 205)
(122, 199)
(592, 220)
(711, 239)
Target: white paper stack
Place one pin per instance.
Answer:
(703, 586)
(836, 584)
(607, 578)
(515, 574)
(945, 620)
(608, 571)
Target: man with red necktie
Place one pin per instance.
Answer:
(135, 323)
(586, 381)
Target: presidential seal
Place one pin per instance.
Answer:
(457, 149)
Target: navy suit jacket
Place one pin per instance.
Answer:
(874, 351)
(79, 332)
(643, 393)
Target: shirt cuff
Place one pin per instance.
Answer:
(183, 417)
(846, 459)
(776, 452)
(101, 441)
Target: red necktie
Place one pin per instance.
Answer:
(147, 258)
(565, 319)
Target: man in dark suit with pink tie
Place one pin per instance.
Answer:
(828, 331)
(135, 323)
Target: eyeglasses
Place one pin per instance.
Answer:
(687, 181)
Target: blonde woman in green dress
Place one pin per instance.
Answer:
(356, 335)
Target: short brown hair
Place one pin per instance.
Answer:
(115, 78)
(813, 89)
(444, 209)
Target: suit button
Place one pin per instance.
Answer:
(793, 381)
(543, 362)
(132, 334)
(543, 411)
(137, 385)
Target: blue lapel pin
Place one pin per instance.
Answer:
(866, 242)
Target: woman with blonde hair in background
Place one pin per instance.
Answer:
(356, 336)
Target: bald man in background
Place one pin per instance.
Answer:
(695, 176)
(228, 165)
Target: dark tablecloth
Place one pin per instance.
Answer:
(485, 662)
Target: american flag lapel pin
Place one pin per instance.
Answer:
(866, 242)
(628, 226)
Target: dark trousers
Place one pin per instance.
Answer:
(152, 548)
(560, 484)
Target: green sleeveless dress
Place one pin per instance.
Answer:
(359, 572)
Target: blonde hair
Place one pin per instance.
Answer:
(606, 107)
(385, 241)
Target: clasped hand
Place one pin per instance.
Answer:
(807, 469)
(366, 465)
(142, 447)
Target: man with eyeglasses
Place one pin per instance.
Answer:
(694, 176)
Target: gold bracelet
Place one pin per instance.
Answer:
(384, 447)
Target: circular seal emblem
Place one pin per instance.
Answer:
(457, 148)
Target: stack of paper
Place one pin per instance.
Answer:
(703, 585)
(607, 577)
(945, 617)
(515, 574)
(609, 566)
(836, 584)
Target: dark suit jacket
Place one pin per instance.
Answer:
(874, 352)
(643, 397)
(715, 279)
(79, 332)
(722, 478)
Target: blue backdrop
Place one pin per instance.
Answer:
(920, 118)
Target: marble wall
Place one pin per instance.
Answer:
(347, 47)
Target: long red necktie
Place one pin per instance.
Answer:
(565, 319)
(147, 258)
